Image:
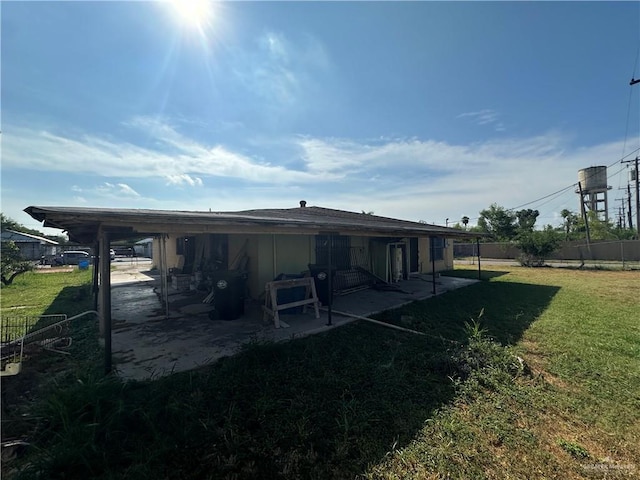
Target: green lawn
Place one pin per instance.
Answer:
(33, 294)
(369, 402)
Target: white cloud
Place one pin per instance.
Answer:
(282, 72)
(119, 190)
(184, 179)
(485, 117)
(403, 177)
(174, 156)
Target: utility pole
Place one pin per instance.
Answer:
(637, 179)
(629, 214)
(632, 83)
(584, 217)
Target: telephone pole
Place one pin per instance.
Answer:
(629, 213)
(636, 177)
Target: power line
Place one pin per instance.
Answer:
(573, 185)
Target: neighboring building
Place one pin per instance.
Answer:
(144, 248)
(32, 247)
(269, 242)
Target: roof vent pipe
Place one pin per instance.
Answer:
(303, 203)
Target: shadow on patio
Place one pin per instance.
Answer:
(146, 344)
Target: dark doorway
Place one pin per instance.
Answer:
(414, 265)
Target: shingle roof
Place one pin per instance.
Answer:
(22, 237)
(83, 222)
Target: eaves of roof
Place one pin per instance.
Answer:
(25, 237)
(83, 223)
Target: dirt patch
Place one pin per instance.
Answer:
(66, 268)
(537, 363)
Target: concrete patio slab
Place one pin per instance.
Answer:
(146, 344)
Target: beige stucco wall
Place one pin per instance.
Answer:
(424, 256)
(270, 255)
(173, 260)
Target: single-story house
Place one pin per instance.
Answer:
(32, 247)
(360, 248)
(269, 242)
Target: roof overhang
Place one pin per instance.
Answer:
(84, 224)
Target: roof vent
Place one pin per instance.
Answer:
(303, 203)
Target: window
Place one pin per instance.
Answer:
(340, 254)
(437, 248)
(184, 245)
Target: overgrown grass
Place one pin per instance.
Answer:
(367, 401)
(576, 416)
(29, 297)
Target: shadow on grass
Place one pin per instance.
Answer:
(505, 309)
(325, 406)
(473, 274)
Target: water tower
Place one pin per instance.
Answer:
(593, 181)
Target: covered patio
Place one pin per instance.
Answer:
(149, 344)
(158, 325)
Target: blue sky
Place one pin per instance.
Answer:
(414, 110)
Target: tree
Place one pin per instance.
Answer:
(537, 245)
(571, 222)
(498, 222)
(526, 219)
(13, 264)
(7, 223)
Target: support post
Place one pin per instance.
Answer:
(433, 265)
(164, 274)
(330, 280)
(105, 298)
(94, 275)
(478, 248)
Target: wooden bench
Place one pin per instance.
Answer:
(271, 306)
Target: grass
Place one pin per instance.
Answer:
(24, 303)
(369, 402)
(34, 294)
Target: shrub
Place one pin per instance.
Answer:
(537, 245)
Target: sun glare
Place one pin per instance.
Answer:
(193, 13)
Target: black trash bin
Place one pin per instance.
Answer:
(228, 294)
(320, 274)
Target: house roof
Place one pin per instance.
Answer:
(21, 237)
(83, 223)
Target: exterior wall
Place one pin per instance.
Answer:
(173, 259)
(424, 256)
(271, 255)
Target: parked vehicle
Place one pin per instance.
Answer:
(71, 257)
(124, 251)
(112, 254)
